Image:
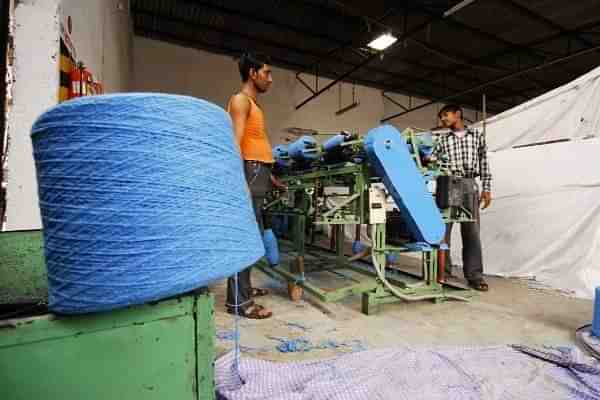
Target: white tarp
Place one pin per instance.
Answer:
(545, 218)
(570, 111)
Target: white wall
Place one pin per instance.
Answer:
(35, 89)
(102, 35)
(168, 68)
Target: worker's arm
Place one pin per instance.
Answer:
(239, 108)
(484, 173)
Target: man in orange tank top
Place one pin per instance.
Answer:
(255, 149)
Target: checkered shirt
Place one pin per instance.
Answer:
(466, 157)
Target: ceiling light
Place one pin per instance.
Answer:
(457, 7)
(383, 41)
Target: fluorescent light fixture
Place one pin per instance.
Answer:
(383, 41)
(457, 7)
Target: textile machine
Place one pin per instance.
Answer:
(383, 182)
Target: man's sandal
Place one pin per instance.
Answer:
(251, 312)
(258, 292)
(481, 285)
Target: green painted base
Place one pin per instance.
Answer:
(160, 351)
(329, 295)
(372, 300)
(373, 291)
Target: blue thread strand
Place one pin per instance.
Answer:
(237, 331)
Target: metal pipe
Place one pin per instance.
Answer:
(233, 51)
(395, 292)
(522, 47)
(362, 64)
(458, 7)
(484, 114)
(442, 265)
(497, 80)
(385, 96)
(347, 108)
(533, 15)
(306, 85)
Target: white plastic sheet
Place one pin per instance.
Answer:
(544, 222)
(570, 111)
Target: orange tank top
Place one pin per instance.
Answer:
(255, 143)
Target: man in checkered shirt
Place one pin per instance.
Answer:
(464, 150)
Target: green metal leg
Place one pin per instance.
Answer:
(299, 234)
(370, 305)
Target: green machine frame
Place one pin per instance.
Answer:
(301, 204)
(163, 350)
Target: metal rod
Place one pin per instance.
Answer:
(342, 204)
(270, 43)
(454, 59)
(458, 7)
(497, 80)
(306, 85)
(253, 17)
(343, 45)
(345, 8)
(362, 64)
(535, 16)
(303, 68)
(338, 79)
(513, 48)
(468, 62)
(393, 101)
(223, 49)
(484, 113)
(347, 108)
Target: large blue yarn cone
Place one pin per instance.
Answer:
(142, 197)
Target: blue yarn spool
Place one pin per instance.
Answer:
(358, 246)
(425, 151)
(334, 142)
(280, 154)
(392, 258)
(271, 247)
(142, 197)
(305, 148)
(596, 318)
(279, 224)
(426, 144)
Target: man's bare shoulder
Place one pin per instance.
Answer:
(239, 102)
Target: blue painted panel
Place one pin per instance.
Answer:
(388, 154)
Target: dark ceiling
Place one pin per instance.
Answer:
(511, 50)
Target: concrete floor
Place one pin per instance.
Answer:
(510, 312)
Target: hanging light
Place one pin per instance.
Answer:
(383, 41)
